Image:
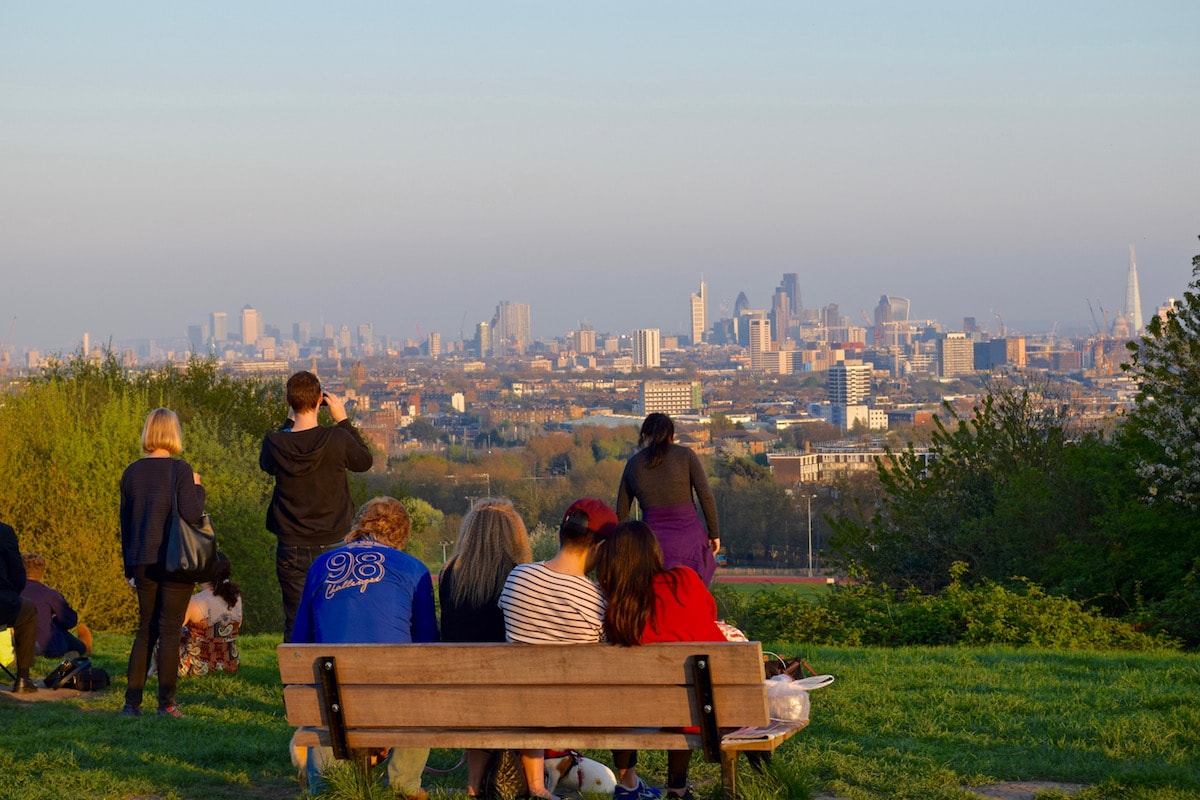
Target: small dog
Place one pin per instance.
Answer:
(569, 771)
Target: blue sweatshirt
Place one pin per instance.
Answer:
(367, 593)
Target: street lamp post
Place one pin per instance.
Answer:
(810, 498)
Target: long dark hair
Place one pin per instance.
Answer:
(223, 586)
(629, 560)
(657, 432)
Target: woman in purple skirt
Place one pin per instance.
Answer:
(662, 477)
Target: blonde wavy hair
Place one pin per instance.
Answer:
(491, 541)
(384, 520)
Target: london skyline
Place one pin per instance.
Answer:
(411, 166)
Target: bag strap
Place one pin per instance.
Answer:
(174, 487)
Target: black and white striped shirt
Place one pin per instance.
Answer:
(542, 606)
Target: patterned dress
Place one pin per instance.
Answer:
(209, 644)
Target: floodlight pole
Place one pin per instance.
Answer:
(810, 498)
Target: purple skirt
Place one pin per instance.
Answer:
(682, 537)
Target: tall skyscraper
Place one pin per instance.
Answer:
(699, 315)
(435, 344)
(511, 331)
(646, 348)
(219, 326)
(781, 316)
(301, 332)
(1133, 296)
(791, 285)
(483, 339)
(250, 325)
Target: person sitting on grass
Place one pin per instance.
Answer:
(55, 617)
(208, 641)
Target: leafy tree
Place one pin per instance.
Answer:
(1166, 366)
(996, 495)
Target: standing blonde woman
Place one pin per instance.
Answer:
(149, 488)
(491, 541)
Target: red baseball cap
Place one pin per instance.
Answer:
(592, 514)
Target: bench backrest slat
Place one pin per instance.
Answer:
(506, 685)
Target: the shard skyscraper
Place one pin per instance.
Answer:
(1133, 297)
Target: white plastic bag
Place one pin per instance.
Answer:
(786, 699)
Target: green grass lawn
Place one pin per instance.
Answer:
(909, 723)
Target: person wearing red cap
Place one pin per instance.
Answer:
(554, 602)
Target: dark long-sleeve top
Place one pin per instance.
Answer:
(669, 484)
(146, 508)
(54, 616)
(12, 575)
(464, 622)
(311, 504)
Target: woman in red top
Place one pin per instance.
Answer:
(649, 604)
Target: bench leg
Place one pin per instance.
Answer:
(729, 764)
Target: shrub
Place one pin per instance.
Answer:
(989, 613)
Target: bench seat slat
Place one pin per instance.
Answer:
(516, 706)
(552, 738)
(490, 663)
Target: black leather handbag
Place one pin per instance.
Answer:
(191, 549)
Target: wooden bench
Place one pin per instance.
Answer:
(581, 696)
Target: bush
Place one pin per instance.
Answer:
(989, 613)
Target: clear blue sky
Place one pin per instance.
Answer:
(412, 164)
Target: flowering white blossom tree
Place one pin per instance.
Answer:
(1166, 366)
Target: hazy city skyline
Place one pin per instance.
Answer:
(413, 166)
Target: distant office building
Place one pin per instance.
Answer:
(343, 340)
(831, 321)
(956, 355)
(668, 397)
(196, 338)
(699, 315)
(218, 326)
(760, 342)
(435, 344)
(301, 332)
(647, 350)
(740, 305)
(511, 331)
(366, 334)
(849, 382)
(250, 329)
(1006, 352)
(970, 326)
(791, 285)
(780, 315)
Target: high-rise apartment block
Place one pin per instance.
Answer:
(956, 355)
(647, 350)
(699, 315)
(585, 339)
(760, 343)
(781, 315)
(849, 382)
(668, 397)
(483, 339)
(511, 331)
(435, 344)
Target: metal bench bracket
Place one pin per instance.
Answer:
(706, 709)
(331, 699)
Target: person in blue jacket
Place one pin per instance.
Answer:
(370, 592)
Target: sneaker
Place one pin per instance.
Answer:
(170, 711)
(130, 710)
(639, 792)
(24, 686)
